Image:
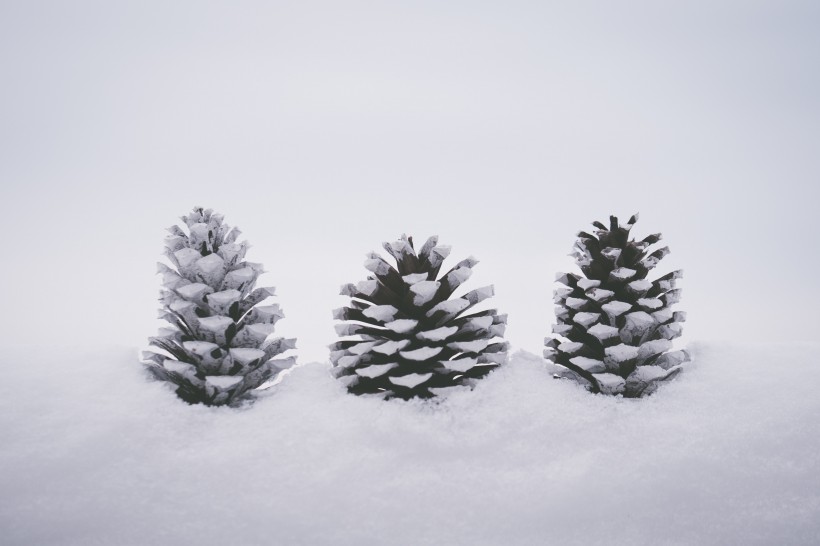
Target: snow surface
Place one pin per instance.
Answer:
(94, 453)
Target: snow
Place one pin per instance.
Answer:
(95, 453)
(222, 301)
(576, 303)
(599, 294)
(439, 334)
(638, 321)
(610, 383)
(211, 269)
(186, 258)
(458, 276)
(570, 347)
(382, 313)
(423, 291)
(469, 346)
(422, 353)
(368, 288)
(650, 303)
(621, 353)
(589, 364)
(267, 313)
(410, 380)
(224, 381)
(460, 364)
(611, 253)
(449, 306)
(616, 308)
(663, 315)
(413, 278)
(376, 369)
(640, 286)
(238, 278)
(246, 355)
(562, 329)
(390, 347)
(195, 291)
(654, 347)
(254, 334)
(177, 366)
(586, 284)
(377, 265)
(622, 273)
(602, 331)
(562, 292)
(585, 319)
(402, 326)
(481, 323)
(670, 331)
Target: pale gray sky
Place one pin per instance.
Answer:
(324, 128)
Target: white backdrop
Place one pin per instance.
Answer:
(324, 128)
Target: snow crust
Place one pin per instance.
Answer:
(95, 453)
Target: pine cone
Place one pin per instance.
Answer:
(411, 337)
(615, 328)
(217, 349)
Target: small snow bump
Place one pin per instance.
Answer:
(390, 347)
(599, 294)
(178, 367)
(381, 313)
(439, 334)
(575, 303)
(588, 364)
(654, 347)
(410, 380)
(585, 319)
(570, 347)
(586, 284)
(401, 326)
(469, 346)
(640, 286)
(460, 364)
(449, 307)
(603, 332)
(423, 353)
(616, 308)
(650, 303)
(223, 381)
(413, 278)
(610, 383)
(424, 291)
(620, 353)
(375, 370)
(622, 274)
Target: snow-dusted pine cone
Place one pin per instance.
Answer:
(408, 335)
(218, 348)
(615, 327)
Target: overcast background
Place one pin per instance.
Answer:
(322, 129)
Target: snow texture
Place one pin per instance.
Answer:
(94, 453)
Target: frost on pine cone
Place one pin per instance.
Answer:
(410, 336)
(615, 327)
(218, 348)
